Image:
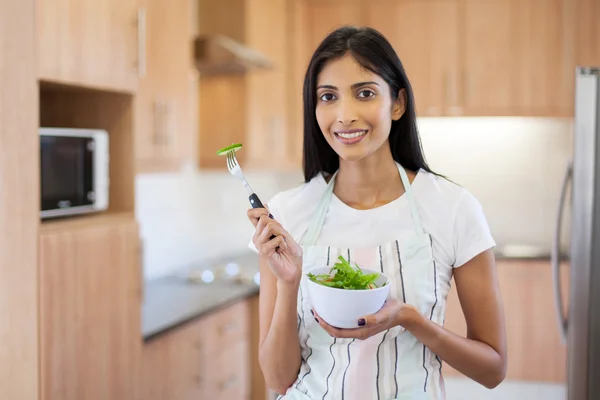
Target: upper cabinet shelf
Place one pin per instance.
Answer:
(90, 43)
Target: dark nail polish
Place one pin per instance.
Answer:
(312, 312)
(361, 322)
(317, 320)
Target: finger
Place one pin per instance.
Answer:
(271, 246)
(379, 317)
(333, 331)
(254, 214)
(271, 228)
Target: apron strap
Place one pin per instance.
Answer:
(316, 223)
(411, 200)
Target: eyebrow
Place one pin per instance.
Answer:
(354, 86)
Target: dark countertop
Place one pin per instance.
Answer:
(172, 300)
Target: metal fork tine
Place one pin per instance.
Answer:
(229, 161)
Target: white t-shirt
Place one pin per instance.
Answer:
(449, 213)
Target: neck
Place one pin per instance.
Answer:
(370, 182)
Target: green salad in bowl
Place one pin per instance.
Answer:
(343, 276)
(343, 293)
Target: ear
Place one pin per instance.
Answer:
(399, 106)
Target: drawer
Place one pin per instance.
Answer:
(228, 375)
(226, 327)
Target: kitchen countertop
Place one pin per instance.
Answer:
(172, 300)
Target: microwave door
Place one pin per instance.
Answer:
(67, 180)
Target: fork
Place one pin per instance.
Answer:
(234, 168)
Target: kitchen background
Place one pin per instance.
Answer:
(156, 297)
(512, 164)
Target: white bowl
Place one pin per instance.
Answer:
(342, 308)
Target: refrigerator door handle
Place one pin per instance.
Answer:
(563, 321)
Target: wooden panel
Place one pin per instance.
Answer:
(19, 202)
(540, 59)
(266, 93)
(90, 312)
(324, 17)
(487, 74)
(66, 107)
(535, 351)
(165, 134)
(222, 118)
(587, 38)
(88, 42)
(258, 384)
(431, 25)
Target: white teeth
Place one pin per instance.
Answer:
(351, 135)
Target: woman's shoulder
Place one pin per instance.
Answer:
(443, 187)
(291, 207)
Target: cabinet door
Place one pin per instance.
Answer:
(90, 43)
(535, 351)
(163, 103)
(19, 201)
(326, 16)
(587, 37)
(516, 58)
(172, 365)
(425, 36)
(90, 311)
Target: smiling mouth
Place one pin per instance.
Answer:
(351, 136)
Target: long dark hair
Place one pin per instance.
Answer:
(372, 50)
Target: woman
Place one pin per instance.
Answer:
(370, 196)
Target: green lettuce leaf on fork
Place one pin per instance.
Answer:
(346, 277)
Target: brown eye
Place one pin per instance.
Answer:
(325, 97)
(365, 94)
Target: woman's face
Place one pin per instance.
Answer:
(355, 108)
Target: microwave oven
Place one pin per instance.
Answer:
(74, 171)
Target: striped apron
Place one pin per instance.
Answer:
(392, 364)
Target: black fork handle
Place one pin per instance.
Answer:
(256, 203)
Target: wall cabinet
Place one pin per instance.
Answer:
(535, 350)
(165, 131)
(89, 43)
(473, 57)
(250, 108)
(90, 306)
(19, 202)
(207, 358)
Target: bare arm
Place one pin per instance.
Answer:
(482, 355)
(279, 352)
(279, 348)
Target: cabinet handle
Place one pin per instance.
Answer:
(141, 42)
(167, 122)
(157, 121)
(228, 384)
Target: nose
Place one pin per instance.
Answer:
(346, 113)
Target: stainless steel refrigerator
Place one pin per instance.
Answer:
(580, 327)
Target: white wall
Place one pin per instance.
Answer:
(513, 165)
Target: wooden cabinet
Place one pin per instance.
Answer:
(90, 43)
(90, 306)
(585, 18)
(208, 358)
(250, 108)
(516, 58)
(425, 35)
(19, 202)
(473, 57)
(535, 350)
(165, 130)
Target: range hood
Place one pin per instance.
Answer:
(219, 54)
